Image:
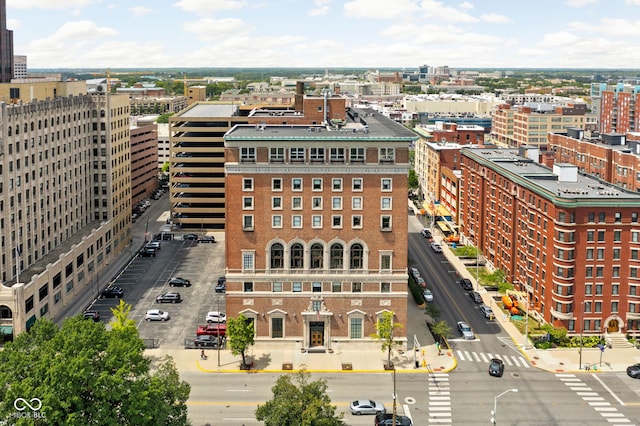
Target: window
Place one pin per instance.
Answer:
(356, 155)
(276, 203)
(43, 292)
(336, 287)
(356, 256)
(385, 287)
(277, 256)
(336, 256)
(601, 217)
(296, 184)
(336, 203)
(247, 261)
(588, 288)
(589, 254)
(385, 203)
(248, 155)
(316, 155)
(316, 203)
(615, 272)
(337, 155)
(276, 155)
(336, 221)
(277, 328)
(247, 222)
(276, 221)
(590, 235)
(276, 287)
(297, 287)
(385, 262)
(615, 289)
(247, 184)
(247, 287)
(617, 217)
(591, 217)
(296, 155)
(336, 184)
(385, 184)
(600, 254)
(598, 289)
(297, 256)
(317, 256)
(386, 155)
(316, 184)
(355, 328)
(601, 236)
(356, 287)
(296, 203)
(296, 221)
(356, 203)
(598, 307)
(617, 235)
(634, 217)
(356, 184)
(247, 203)
(316, 288)
(276, 184)
(356, 222)
(316, 221)
(385, 223)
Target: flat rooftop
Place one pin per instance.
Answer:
(206, 110)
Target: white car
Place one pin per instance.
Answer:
(156, 315)
(466, 331)
(215, 316)
(428, 295)
(436, 247)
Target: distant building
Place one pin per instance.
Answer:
(144, 162)
(196, 94)
(143, 105)
(619, 107)
(6, 46)
(19, 66)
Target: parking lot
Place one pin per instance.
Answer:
(147, 277)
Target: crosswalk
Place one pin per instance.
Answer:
(485, 358)
(439, 399)
(595, 401)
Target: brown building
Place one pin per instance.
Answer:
(144, 162)
(619, 109)
(316, 245)
(567, 241)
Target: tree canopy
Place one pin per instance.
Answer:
(240, 335)
(84, 374)
(297, 401)
(385, 327)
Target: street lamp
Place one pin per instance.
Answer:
(581, 325)
(494, 413)
(526, 321)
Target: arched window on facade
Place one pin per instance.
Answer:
(336, 254)
(356, 254)
(277, 256)
(297, 256)
(317, 254)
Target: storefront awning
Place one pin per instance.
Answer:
(6, 329)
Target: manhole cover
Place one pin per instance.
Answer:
(287, 366)
(347, 367)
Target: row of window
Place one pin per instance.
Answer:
(297, 222)
(316, 154)
(317, 203)
(277, 327)
(320, 287)
(596, 307)
(317, 184)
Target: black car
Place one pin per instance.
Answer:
(179, 282)
(221, 287)
(426, 233)
(466, 283)
(91, 315)
(207, 239)
(166, 236)
(386, 419)
(475, 296)
(208, 340)
(148, 252)
(633, 371)
(112, 293)
(169, 298)
(189, 237)
(496, 367)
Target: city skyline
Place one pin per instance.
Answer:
(325, 33)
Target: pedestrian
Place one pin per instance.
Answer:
(438, 348)
(203, 355)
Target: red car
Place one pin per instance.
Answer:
(212, 329)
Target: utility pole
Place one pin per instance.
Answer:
(219, 339)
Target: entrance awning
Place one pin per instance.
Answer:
(30, 322)
(6, 329)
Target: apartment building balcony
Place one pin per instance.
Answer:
(561, 315)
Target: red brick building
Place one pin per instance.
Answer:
(619, 109)
(316, 245)
(569, 242)
(144, 161)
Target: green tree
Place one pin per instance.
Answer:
(84, 374)
(121, 318)
(385, 328)
(442, 330)
(413, 180)
(240, 335)
(299, 402)
(164, 118)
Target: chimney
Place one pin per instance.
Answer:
(299, 99)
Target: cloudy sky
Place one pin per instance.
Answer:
(326, 33)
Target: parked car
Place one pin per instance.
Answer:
(166, 236)
(426, 233)
(112, 293)
(207, 239)
(215, 316)
(633, 371)
(496, 367)
(487, 312)
(466, 331)
(171, 297)
(189, 237)
(386, 419)
(179, 282)
(475, 297)
(221, 288)
(436, 247)
(366, 406)
(415, 273)
(212, 329)
(154, 244)
(421, 282)
(466, 283)
(428, 295)
(148, 252)
(156, 315)
(91, 315)
(207, 340)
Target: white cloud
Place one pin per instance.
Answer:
(559, 39)
(438, 11)
(379, 9)
(49, 4)
(579, 3)
(494, 18)
(140, 10)
(321, 8)
(632, 2)
(466, 5)
(215, 29)
(14, 24)
(208, 6)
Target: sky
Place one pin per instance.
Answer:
(101, 34)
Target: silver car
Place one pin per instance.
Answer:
(366, 406)
(466, 331)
